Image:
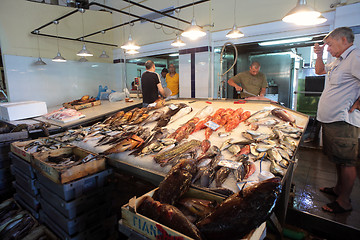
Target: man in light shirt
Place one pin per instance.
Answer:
(338, 111)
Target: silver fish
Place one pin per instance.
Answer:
(283, 153)
(274, 155)
(181, 113)
(284, 163)
(276, 169)
(226, 144)
(234, 149)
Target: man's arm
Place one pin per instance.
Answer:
(161, 90)
(233, 84)
(356, 105)
(262, 93)
(319, 64)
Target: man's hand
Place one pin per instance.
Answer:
(356, 105)
(319, 50)
(238, 88)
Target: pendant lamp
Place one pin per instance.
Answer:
(235, 32)
(178, 42)
(103, 54)
(39, 62)
(132, 51)
(83, 52)
(193, 31)
(302, 14)
(130, 45)
(58, 57)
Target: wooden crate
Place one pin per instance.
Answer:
(18, 148)
(62, 174)
(149, 228)
(14, 136)
(82, 106)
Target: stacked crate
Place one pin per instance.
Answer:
(27, 193)
(80, 209)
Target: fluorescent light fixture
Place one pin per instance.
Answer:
(234, 33)
(130, 45)
(178, 42)
(84, 52)
(58, 58)
(173, 55)
(292, 40)
(194, 31)
(302, 14)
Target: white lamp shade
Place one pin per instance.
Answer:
(130, 45)
(303, 14)
(132, 51)
(58, 58)
(193, 31)
(39, 62)
(178, 42)
(104, 55)
(234, 33)
(84, 52)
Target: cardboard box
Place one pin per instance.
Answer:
(66, 174)
(148, 227)
(20, 110)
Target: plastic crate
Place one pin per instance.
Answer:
(75, 189)
(78, 224)
(24, 205)
(30, 200)
(22, 165)
(28, 184)
(96, 232)
(75, 208)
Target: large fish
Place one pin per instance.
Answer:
(169, 216)
(153, 117)
(199, 207)
(241, 212)
(205, 112)
(283, 115)
(221, 175)
(181, 113)
(165, 119)
(180, 149)
(177, 182)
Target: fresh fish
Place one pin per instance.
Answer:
(141, 119)
(176, 182)
(234, 149)
(175, 160)
(212, 152)
(244, 150)
(283, 115)
(286, 128)
(165, 119)
(259, 115)
(253, 150)
(167, 141)
(261, 155)
(207, 177)
(203, 113)
(204, 162)
(250, 168)
(283, 154)
(276, 169)
(287, 150)
(153, 147)
(199, 173)
(160, 133)
(253, 205)
(247, 136)
(254, 133)
(224, 134)
(169, 216)
(279, 134)
(268, 122)
(153, 117)
(205, 145)
(199, 207)
(226, 144)
(284, 163)
(181, 113)
(264, 147)
(221, 175)
(180, 149)
(127, 144)
(274, 155)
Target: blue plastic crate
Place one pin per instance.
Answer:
(24, 166)
(75, 189)
(28, 184)
(74, 208)
(24, 205)
(79, 224)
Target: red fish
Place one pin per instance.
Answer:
(201, 124)
(249, 169)
(245, 115)
(205, 145)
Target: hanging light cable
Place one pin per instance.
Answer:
(178, 42)
(58, 57)
(103, 54)
(83, 52)
(39, 61)
(193, 31)
(130, 45)
(302, 14)
(235, 32)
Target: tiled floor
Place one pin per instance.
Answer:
(315, 171)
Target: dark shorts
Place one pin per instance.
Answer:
(340, 143)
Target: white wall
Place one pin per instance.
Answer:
(57, 83)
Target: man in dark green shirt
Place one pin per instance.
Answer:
(253, 81)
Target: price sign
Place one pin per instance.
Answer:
(173, 107)
(212, 125)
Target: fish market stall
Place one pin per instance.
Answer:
(236, 144)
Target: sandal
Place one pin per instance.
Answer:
(329, 190)
(336, 208)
